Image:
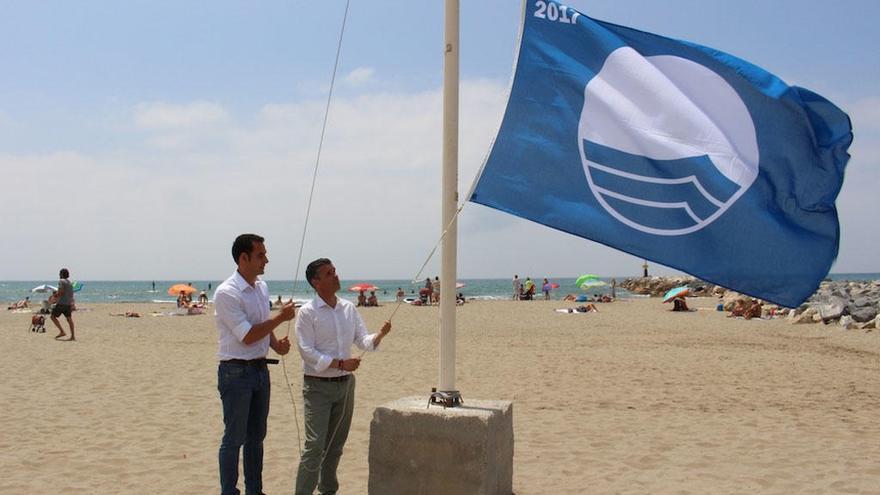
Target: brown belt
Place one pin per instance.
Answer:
(328, 378)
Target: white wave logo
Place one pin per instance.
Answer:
(667, 145)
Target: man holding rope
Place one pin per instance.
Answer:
(245, 335)
(326, 329)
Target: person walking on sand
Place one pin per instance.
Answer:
(246, 332)
(64, 304)
(429, 287)
(326, 329)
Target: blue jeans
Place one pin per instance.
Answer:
(244, 391)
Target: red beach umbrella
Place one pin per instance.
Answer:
(362, 287)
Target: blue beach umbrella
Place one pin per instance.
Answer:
(676, 292)
(77, 286)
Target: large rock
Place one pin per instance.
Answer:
(830, 311)
(804, 317)
(863, 314)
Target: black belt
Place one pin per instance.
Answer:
(251, 362)
(328, 378)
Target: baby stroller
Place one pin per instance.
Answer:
(38, 324)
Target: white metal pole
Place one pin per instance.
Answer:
(449, 202)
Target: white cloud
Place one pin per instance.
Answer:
(167, 116)
(359, 76)
(171, 212)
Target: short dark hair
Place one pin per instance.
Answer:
(312, 269)
(244, 244)
(64, 273)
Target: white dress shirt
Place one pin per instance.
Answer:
(324, 334)
(237, 307)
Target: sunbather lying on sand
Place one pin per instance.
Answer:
(127, 314)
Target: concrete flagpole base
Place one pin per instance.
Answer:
(435, 450)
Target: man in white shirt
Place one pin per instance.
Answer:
(245, 330)
(326, 329)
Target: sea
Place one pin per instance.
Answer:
(155, 291)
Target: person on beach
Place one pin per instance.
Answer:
(754, 310)
(517, 287)
(362, 299)
(372, 300)
(429, 288)
(326, 329)
(739, 309)
(528, 290)
(64, 304)
(400, 294)
(246, 332)
(546, 288)
(23, 304)
(679, 304)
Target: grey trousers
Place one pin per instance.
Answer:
(325, 405)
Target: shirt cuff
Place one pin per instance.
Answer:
(323, 363)
(371, 342)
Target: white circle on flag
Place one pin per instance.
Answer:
(666, 108)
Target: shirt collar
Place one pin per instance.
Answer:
(320, 303)
(241, 284)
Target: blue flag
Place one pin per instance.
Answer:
(670, 151)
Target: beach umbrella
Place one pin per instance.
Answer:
(77, 286)
(586, 278)
(676, 292)
(176, 289)
(362, 287)
(592, 284)
(44, 288)
(551, 286)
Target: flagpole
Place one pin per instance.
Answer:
(448, 395)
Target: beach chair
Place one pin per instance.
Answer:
(38, 323)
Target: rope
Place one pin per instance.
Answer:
(306, 225)
(415, 279)
(302, 245)
(302, 241)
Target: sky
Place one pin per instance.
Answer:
(137, 139)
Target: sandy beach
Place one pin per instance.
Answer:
(633, 399)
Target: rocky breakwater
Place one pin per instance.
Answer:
(658, 286)
(850, 304)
